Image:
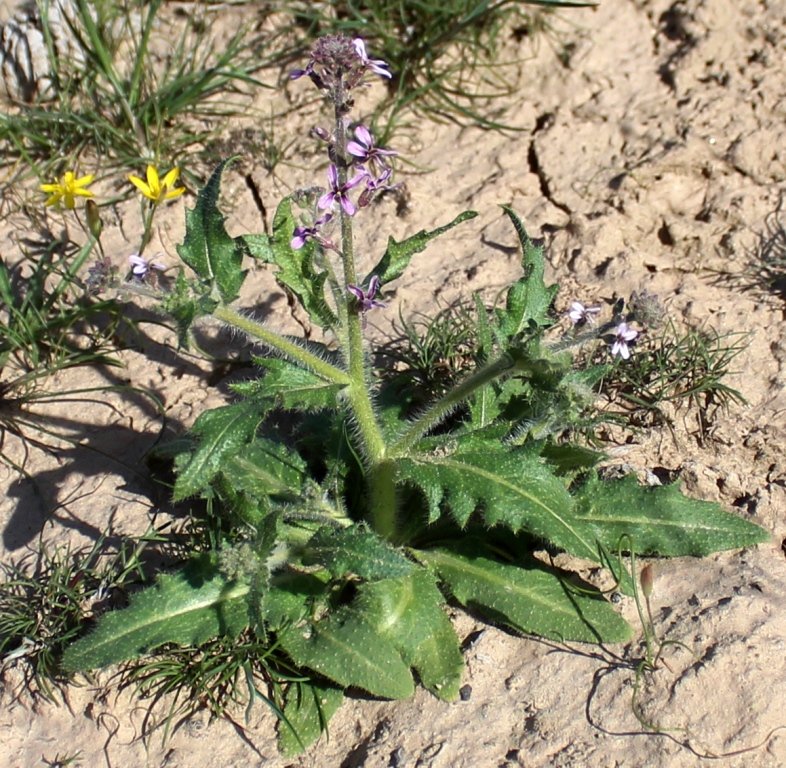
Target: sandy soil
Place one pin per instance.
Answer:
(652, 161)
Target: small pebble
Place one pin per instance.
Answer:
(465, 692)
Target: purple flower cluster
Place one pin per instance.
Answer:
(339, 64)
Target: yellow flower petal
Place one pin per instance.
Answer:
(174, 193)
(84, 181)
(153, 180)
(171, 178)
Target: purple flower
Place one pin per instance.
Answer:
(373, 186)
(365, 299)
(339, 193)
(377, 66)
(140, 266)
(623, 334)
(580, 315)
(303, 234)
(365, 151)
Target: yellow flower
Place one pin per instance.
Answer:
(67, 188)
(157, 189)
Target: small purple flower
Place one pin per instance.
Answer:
(580, 315)
(623, 334)
(377, 66)
(140, 266)
(302, 234)
(365, 299)
(340, 193)
(365, 151)
(373, 186)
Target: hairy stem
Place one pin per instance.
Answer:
(288, 348)
(449, 401)
(381, 475)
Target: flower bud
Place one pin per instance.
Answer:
(94, 223)
(647, 580)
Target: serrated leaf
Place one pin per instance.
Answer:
(258, 247)
(660, 520)
(528, 299)
(266, 468)
(308, 708)
(349, 651)
(355, 550)
(290, 386)
(407, 612)
(531, 599)
(290, 595)
(296, 267)
(513, 487)
(398, 255)
(188, 608)
(222, 432)
(207, 248)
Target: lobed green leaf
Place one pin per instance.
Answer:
(355, 550)
(223, 432)
(296, 269)
(308, 708)
(290, 386)
(207, 247)
(513, 487)
(528, 299)
(398, 255)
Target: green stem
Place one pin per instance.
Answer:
(289, 348)
(147, 218)
(381, 473)
(448, 402)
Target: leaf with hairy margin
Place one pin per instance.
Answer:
(355, 550)
(189, 608)
(513, 487)
(296, 268)
(222, 433)
(308, 708)
(660, 520)
(290, 386)
(207, 247)
(398, 255)
(528, 299)
(531, 599)
(407, 612)
(348, 650)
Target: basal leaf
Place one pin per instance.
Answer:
(308, 708)
(187, 608)
(398, 255)
(355, 550)
(266, 468)
(222, 431)
(207, 248)
(407, 611)
(290, 386)
(512, 487)
(660, 520)
(290, 595)
(349, 651)
(531, 599)
(529, 299)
